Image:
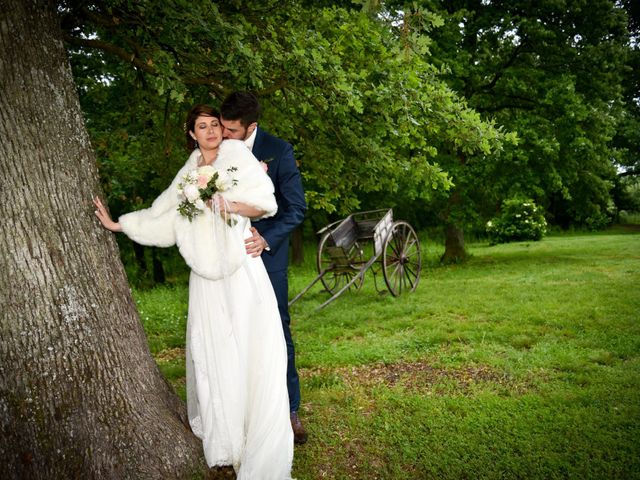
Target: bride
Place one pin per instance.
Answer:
(236, 357)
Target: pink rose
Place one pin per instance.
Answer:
(202, 181)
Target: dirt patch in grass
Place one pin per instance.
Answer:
(418, 377)
(169, 354)
(422, 377)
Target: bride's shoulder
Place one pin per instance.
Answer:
(235, 151)
(231, 145)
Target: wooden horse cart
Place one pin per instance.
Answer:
(341, 258)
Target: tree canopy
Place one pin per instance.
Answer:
(441, 109)
(354, 94)
(556, 73)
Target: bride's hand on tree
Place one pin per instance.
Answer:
(104, 217)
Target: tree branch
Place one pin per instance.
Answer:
(136, 61)
(119, 52)
(510, 61)
(504, 106)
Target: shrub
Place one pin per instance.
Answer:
(518, 220)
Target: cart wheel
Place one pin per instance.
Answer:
(338, 276)
(401, 263)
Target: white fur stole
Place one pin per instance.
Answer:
(211, 247)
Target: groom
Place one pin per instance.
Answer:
(240, 113)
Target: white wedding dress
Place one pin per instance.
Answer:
(236, 373)
(236, 357)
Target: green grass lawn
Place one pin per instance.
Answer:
(523, 362)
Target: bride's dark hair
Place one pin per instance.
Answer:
(196, 111)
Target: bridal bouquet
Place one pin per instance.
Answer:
(199, 185)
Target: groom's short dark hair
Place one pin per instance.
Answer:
(243, 106)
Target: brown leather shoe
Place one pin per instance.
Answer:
(299, 433)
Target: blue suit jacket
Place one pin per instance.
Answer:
(284, 174)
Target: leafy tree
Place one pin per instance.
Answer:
(365, 111)
(552, 71)
(627, 139)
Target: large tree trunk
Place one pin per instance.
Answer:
(454, 250)
(80, 395)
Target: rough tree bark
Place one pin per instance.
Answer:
(454, 249)
(80, 395)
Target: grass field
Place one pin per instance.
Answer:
(523, 362)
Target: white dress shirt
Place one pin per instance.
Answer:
(252, 139)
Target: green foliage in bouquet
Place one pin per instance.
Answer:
(518, 220)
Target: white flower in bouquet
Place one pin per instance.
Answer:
(200, 185)
(225, 181)
(191, 192)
